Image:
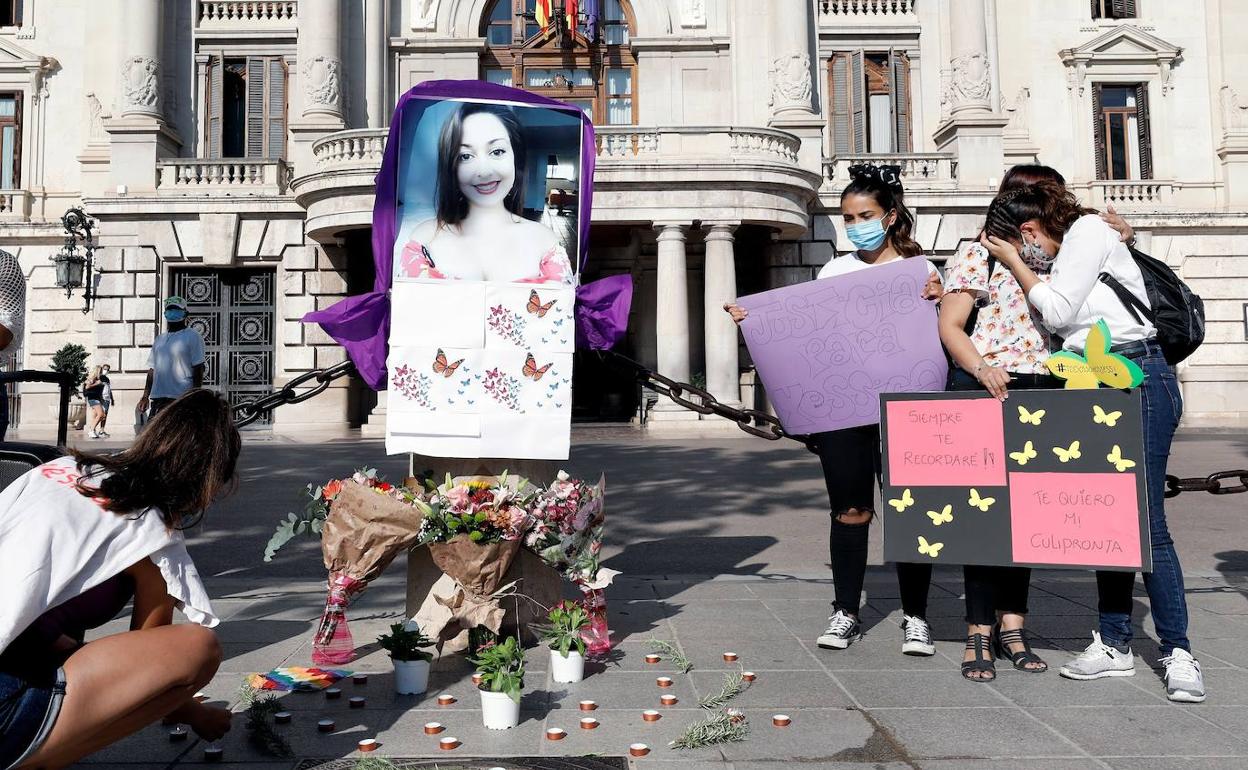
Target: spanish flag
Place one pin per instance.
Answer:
(569, 7)
(542, 12)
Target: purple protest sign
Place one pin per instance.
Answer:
(826, 349)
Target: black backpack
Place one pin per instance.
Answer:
(1176, 311)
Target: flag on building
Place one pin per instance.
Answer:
(542, 13)
(591, 19)
(569, 8)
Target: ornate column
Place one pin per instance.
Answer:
(672, 311)
(138, 134)
(138, 92)
(790, 87)
(974, 127)
(723, 377)
(376, 55)
(320, 62)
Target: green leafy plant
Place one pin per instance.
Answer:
(726, 727)
(374, 763)
(563, 633)
(405, 643)
(260, 731)
(501, 666)
(486, 510)
(672, 653)
(71, 359)
(734, 683)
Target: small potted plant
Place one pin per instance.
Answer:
(71, 359)
(501, 666)
(563, 635)
(406, 644)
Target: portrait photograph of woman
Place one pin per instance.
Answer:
(488, 191)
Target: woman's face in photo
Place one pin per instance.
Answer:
(486, 167)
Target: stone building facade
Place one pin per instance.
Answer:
(227, 149)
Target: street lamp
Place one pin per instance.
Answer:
(73, 269)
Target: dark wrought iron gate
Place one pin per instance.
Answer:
(234, 310)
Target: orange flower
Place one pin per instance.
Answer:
(332, 489)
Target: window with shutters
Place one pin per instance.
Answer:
(592, 68)
(870, 102)
(1113, 9)
(10, 141)
(11, 13)
(1121, 131)
(246, 107)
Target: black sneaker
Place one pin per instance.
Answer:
(843, 630)
(916, 637)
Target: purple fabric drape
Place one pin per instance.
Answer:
(361, 324)
(591, 19)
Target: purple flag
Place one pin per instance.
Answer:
(591, 19)
(826, 349)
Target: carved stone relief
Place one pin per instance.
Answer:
(790, 81)
(970, 81)
(424, 14)
(321, 77)
(140, 84)
(1234, 113)
(692, 13)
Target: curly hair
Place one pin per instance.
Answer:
(1046, 202)
(883, 185)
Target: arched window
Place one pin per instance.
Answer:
(592, 68)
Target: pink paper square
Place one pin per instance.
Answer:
(946, 443)
(1075, 518)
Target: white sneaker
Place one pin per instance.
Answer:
(843, 630)
(1184, 682)
(1100, 660)
(916, 637)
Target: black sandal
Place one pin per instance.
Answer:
(1001, 641)
(982, 645)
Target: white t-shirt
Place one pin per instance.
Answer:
(851, 262)
(1075, 298)
(174, 356)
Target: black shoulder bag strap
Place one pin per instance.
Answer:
(979, 302)
(1131, 302)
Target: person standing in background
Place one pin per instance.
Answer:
(176, 364)
(12, 323)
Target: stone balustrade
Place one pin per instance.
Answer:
(15, 205)
(686, 143)
(1130, 193)
(362, 147)
(247, 14)
(929, 170)
(866, 10)
(229, 176)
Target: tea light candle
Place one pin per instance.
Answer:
(668, 700)
(213, 754)
(650, 715)
(448, 744)
(201, 696)
(749, 676)
(433, 728)
(325, 725)
(652, 658)
(368, 744)
(664, 681)
(782, 720)
(638, 749)
(731, 657)
(282, 717)
(357, 702)
(446, 699)
(476, 678)
(588, 705)
(589, 723)
(556, 734)
(333, 693)
(178, 734)
(360, 678)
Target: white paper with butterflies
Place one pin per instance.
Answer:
(480, 369)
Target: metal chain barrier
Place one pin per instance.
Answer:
(700, 400)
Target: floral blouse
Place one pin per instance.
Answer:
(554, 266)
(1007, 333)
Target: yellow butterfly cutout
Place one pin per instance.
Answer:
(1101, 417)
(982, 503)
(929, 549)
(1028, 453)
(1066, 455)
(1026, 417)
(903, 502)
(1118, 461)
(1098, 367)
(945, 515)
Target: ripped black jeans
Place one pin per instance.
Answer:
(851, 470)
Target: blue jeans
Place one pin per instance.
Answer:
(1163, 405)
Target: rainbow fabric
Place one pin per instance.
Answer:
(297, 678)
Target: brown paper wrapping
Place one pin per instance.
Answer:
(365, 530)
(478, 567)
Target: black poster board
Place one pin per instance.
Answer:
(971, 480)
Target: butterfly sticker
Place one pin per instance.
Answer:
(1119, 462)
(929, 549)
(531, 369)
(535, 306)
(1068, 454)
(558, 323)
(982, 503)
(540, 404)
(558, 405)
(461, 392)
(440, 365)
(1028, 453)
(471, 402)
(1101, 417)
(943, 517)
(1030, 418)
(902, 503)
(1099, 367)
(466, 382)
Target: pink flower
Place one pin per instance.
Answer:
(459, 496)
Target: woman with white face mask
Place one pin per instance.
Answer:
(480, 232)
(879, 225)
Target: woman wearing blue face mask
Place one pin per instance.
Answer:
(879, 225)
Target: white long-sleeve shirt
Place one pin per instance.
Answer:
(1075, 298)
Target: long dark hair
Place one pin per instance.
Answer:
(452, 206)
(178, 465)
(1050, 204)
(883, 185)
(1025, 174)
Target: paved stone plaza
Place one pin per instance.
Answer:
(723, 546)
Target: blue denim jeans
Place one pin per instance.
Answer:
(1163, 405)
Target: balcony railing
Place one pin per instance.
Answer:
(1130, 193)
(619, 143)
(867, 10)
(920, 170)
(358, 148)
(14, 205)
(228, 176)
(247, 14)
